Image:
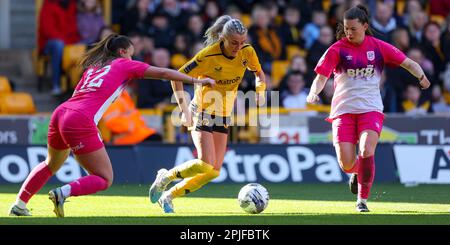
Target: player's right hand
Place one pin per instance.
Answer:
(207, 80)
(312, 98)
(186, 118)
(425, 83)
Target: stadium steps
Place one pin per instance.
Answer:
(16, 64)
(23, 24)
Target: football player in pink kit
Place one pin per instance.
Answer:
(73, 125)
(357, 60)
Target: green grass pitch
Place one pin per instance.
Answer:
(217, 204)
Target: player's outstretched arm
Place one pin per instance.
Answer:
(316, 87)
(169, 74)
(415, 69)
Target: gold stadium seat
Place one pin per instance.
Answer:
(72, 55)
(293, 50)
(17, 103)
(279, 69)
(5, 87)
(246, 20)
(178, 60)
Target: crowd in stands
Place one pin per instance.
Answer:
(289, 37)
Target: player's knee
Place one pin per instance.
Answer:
(108, 181)
(347, 167)
(366, 152)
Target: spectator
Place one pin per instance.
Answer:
(104, 32)
(90, 20)
(311, 32)
(264, 38)
(412, 6)
(416, 25)
(410, 104)
(57, 28)
(211, 12)
(400, 39)
(433, 47)
(126, 123)
(297, 65)
(307, 8)
(180, 45)
(161, 31)
(384, 22)
(234, 12)
(290, 30)
(137, 18)
(177, 17)
(157, 93)
(446, 39)
(438, 104)
(388, 95)
(195, 29)
(295, 96)
(319, 46)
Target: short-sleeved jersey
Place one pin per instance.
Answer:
(357, 72)
(226, 71)
(100, 86)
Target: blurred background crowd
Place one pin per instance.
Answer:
(289, 37)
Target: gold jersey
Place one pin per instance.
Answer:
(226, 71)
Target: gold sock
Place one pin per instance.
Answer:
(189, 169)
(192, 184)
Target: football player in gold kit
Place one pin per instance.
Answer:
(224, 59)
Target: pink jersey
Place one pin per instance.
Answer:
(357, 72)
(99, 87)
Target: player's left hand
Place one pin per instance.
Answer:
(207, 80)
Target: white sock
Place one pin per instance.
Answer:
(362, 200)
(21, 204)
(66, 189)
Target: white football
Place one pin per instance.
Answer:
(253, 198)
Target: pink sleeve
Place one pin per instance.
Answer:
(392, 56)
(328, 62)
(135, 69)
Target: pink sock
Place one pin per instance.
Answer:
(34, 182)
(366, 174)
(87, 185)
(354, 169)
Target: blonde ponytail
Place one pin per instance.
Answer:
(212, 35)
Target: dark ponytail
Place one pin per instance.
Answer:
(105, 51)
(359, 12)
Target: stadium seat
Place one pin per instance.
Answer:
(17, 103)
(279, 69)
(293, 50)
(400, 7)
(437, 18)
(246, 20)
(177, 61)
(5, 87)
(326, 4)
(71, 55)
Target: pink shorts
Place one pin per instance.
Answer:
(348, 127)
(72, 129)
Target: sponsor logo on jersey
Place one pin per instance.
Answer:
(244, 62)
(370, 55)
(366, 72)
(229, 81)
